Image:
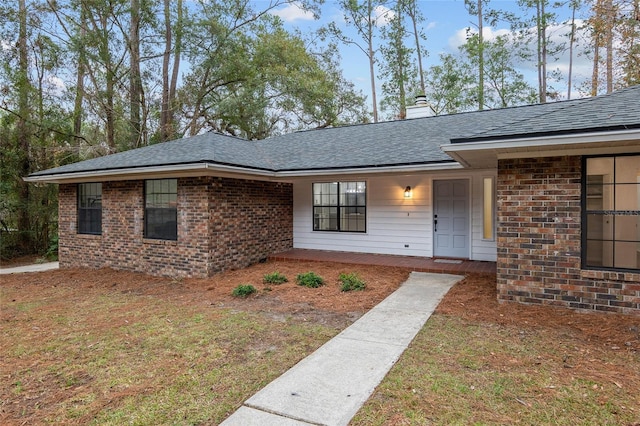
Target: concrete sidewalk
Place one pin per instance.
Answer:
(38, 267)
(329, 386)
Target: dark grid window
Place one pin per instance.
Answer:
(340, 206)
(611, 213)
(90, 208)
(160, 209)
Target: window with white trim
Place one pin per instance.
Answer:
(611, 212)
(340, 206)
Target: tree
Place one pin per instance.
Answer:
(396, 67)
(505, 86)
(534, 31)
(363, 18)
(572, 39)
(168, 111)
(23, 88)
(410, 7)
(475, 8)
(629, 48)
(449, 86)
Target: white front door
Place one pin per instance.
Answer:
(451, 218)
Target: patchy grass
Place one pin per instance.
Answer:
(482, 363)
(110, 348)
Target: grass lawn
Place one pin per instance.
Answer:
(476, 362)
(107, 347)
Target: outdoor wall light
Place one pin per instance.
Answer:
(407, 192)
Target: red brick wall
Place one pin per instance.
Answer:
(539, 240)
(222, 224)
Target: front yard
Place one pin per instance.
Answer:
(108, 347)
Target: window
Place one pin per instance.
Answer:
(488, 208)
(90, 208)
(340, 206)
(160, 209)
(611, 212)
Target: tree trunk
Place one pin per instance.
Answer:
(166, 57)
(23, 143)
(413, 14)
(135, 82)
(371, 53)
(543, 65)
(610, 14)
(169, 85)
(177, 50)
(480, 58)
(79, 96)
(572, 37)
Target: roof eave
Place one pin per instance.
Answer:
(209, 169)
(486, 153)
(151, 172)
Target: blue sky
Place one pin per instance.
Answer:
(444, 25)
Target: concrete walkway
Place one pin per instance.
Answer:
(37, 267)
(329, 386)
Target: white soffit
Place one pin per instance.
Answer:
(485, 154)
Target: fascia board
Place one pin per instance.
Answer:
(544, 141)
(206, 169)
(370, 170)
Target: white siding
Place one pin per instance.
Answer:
(395, 225)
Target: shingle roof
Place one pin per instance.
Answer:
(406, 142)
(619, 110)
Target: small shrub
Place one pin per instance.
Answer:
(309, 279)
(243, 290)
(274, 278)
(351, 282)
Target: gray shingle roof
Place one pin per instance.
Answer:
(619, 110)
(406, 142)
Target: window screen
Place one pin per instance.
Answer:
(160, 209)
(90, 208)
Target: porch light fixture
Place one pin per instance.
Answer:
(407, 192)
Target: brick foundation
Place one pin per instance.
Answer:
(222, 224)
(539, 240)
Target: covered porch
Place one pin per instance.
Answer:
(419, 264)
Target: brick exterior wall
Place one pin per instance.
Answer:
(539, 240)
(222, 224)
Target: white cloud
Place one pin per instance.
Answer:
(382, 15)
(488, 33)
(55, 85)
(294, 12)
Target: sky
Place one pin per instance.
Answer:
(445, 27)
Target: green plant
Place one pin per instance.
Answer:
(52, 250)
(351, 282)
(309, 279)
(274, 278)
(243, 290)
